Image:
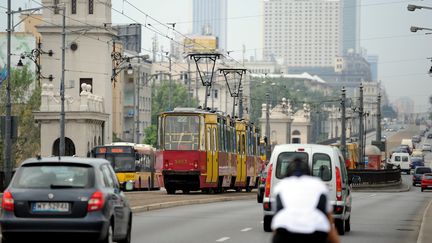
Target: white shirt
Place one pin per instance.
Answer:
(300, 197)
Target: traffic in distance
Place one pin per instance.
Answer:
(197, 150)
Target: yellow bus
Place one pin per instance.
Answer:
(134, 164)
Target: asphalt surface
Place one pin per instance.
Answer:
(395, 216)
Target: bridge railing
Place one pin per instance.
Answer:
(386, 177)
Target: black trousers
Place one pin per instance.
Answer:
(284, 236)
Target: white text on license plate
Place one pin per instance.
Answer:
(50, 207)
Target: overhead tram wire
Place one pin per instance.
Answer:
(167, 26)
(80, 31)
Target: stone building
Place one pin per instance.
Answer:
(287, 126)
(88, 67)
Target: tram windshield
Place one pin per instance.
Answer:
(181, 132)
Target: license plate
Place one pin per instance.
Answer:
(50, 207)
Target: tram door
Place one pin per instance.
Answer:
(212, 153)
(241, 156)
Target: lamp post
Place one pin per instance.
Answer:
(7, 149)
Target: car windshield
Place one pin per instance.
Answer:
(53, 176)
(122, 162)
(423, 170)
(181, 132)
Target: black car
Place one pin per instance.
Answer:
(69, 196)
(418, 173)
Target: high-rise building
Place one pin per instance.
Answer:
(304, 33)
(351, 25)
(373, 61)
(210, 18)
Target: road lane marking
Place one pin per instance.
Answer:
(223, 239)
(246, 229)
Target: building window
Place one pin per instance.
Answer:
(86, 81)
(73, 6)
(56, 9)
(91, 6)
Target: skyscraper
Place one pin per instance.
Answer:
(351, 25)
(303, 33)
(210, 18)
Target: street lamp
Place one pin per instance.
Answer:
(416, 28)
(412, 7)
(34, 56)
(120, 61)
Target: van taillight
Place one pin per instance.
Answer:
(338, 185)
(96, 202)
(268, 181)
(7, 201)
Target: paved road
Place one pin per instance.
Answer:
(377, 217)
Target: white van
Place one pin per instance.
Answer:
(402, 161)
(325, 162)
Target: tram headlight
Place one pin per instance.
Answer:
(196, 164)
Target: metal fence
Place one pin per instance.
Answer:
(374, 177)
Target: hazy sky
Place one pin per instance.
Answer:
(403, 65)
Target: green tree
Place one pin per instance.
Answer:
(25, 99)
(151, 135)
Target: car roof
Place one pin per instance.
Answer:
(294, 147)
(65, 159)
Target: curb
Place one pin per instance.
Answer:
(421, 237)
(383, 189)
(157, 206)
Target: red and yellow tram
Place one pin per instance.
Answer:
(208, 151)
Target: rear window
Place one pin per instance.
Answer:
(54, 176)
(404, 159)
(423, 170)
(284, 159)
(321, 166)
(397, 158)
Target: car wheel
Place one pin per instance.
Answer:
(422, 189)
(414, 184)
(340, 226)
(348, 225)
(127, 239)
(109, 235)
(267, 223)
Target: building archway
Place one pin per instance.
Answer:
(69, 147)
